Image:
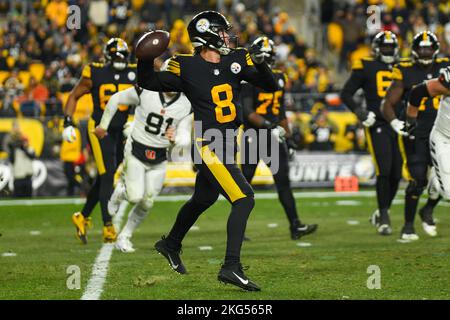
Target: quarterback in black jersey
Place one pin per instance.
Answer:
(211, 79)
(102, 80)
(374, 75)
(415, 148)
(266, 110)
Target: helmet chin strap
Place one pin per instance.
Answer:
(387, 59)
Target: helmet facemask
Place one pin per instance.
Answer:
(425, 48)
(425, 55)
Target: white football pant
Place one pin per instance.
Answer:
(440, 154)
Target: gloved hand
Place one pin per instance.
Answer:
(258, 54)
(292, 147)
(69, 133)
(370, 120)
(127, 128)
(411, 125)
(399, 127)
(444, 77)
(279, 133)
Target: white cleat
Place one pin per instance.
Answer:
(409, 236)
(375, 218)
(429, 229)
(125, 245)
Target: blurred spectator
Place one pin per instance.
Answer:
(323, 133)
(21, 155)
(56, 11)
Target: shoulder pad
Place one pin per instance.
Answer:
(405, 63)
(368, 59)
(442, 60)
(357, 65)
(132, 65)
(97, 64)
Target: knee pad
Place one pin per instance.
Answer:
(416, 187)
(146, 202)
(248, 201)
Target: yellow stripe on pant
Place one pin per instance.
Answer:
(401, 147)
(96, 149)
(372, 151)
(220, 172)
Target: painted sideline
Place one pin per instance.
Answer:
(94, 288)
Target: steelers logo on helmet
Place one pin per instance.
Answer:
(202, 25)
(235, 67)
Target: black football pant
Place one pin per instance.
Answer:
(280, 175)
(108, 154)
(382, 142)
(417, 158)
(214, 177)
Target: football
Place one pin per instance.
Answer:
(152, 44)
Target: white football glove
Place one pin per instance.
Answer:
(399, 127)
(371, 119)
(69, 134)
(279, 133)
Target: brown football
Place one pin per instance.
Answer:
(152, 44)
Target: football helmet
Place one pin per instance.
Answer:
(385, 47)
(209, 29)
(425, 47)
(266, 43)
(117, 53)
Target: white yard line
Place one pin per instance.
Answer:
(95, 284)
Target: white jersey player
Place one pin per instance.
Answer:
(160, 119)
(440, 135)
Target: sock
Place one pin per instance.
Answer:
(394, 183)
(105, 191)
(92, 199)
(288, 202)
(186, 218)
(411, 202)
(431, 203)
(383, 194)
(237, 222)
(135, 218)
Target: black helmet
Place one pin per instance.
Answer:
(204, 30)
(385, 47)
(116, 52)
(425, 47)
(265, 42)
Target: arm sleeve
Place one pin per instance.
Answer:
(165, 81)
(125, 97)
(352, 85)
(259, 75)
(184, 129)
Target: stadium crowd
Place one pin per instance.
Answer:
(41, 58)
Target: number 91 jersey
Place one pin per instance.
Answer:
(155, 113)
(105, 82)
(214, 88)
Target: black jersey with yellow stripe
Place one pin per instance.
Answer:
(213, 88)
(269, 105)
(106, 81)
(411, 74)
(374, 77)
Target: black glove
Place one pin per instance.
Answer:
(410, 127)
(292, 147)
(361, 114)
(258, 54)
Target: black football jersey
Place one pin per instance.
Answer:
(105, 82)
(411, 74)
(269, 105)
(374, 77)
(214, 88)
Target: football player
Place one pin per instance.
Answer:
(440, 134)
(373, 75)
(266, 110)
(415, 147)
(102, 80)
(211, 79)
(160, 119)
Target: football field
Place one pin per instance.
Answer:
(40, 258)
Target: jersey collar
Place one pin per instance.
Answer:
(165, 103)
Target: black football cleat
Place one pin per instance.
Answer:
(384, 227)
(234, 274)
(303, 230)
(408, 233)
(173, 256)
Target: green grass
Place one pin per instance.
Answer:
(333, 267)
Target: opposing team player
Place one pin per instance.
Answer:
(266, 110)
(102, 80)
(440, 134)
(211, 80)
(415, 148)
(374, 75)
(160, 120)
